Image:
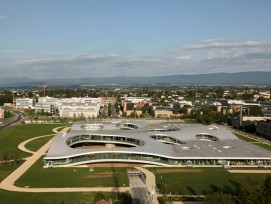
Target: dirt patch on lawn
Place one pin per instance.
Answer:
(101, 175)
(243, 171)
(179, 171)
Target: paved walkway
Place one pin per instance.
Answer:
(8, 182)
(150, 183)
(22, 147)
(249, 171)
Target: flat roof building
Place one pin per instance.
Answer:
(25, 103)
(155, 144)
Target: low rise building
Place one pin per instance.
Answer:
(136, 99)
(135, 112)
(46, 105)
(84, 110)
(163, 113)
(106, 100)
(25, 103)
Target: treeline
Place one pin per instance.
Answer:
(250, 192)
(9, 159)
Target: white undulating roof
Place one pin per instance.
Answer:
(227, 145)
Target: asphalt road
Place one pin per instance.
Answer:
(18, 120)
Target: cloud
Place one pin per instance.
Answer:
(221, 43)
(209, 56)
(185, 57)
(75, 59)
(3, 18)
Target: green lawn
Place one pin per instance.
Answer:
(11, 137)
(201, 182)
(37, 176)
(265, 146)
(241, 137)
(5, 170)
(36, 144)
(7, 197)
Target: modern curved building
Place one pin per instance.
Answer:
(154, 144)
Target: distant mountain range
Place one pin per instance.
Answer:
(215, 78)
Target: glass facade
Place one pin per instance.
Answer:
(166, 139)
(153, 159)
(204, 136)
(104, 139)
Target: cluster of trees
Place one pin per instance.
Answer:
(249, 193)
(9, 159)
(5, 97)
(207, 116)
(8, 114)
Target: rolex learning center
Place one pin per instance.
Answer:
(142, 142)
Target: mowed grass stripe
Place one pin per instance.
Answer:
(45, 198)
(252, 141)
(202, 181)
(39, 177)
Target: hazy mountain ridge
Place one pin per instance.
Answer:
(214, 78)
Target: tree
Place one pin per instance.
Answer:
(256, 111)
(220, 197)
(8, 114)
(109, 109)
(99, 196)
(249, 127)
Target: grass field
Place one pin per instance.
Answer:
(255, 142)
(11, 137)
(200, 181)
(265, 146)
(241, 137)
(46, 198)
(36, 144)
(37, 176)
(5, 170)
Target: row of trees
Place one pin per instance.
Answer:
(9, 159)
(249, 193)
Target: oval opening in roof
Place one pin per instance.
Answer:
(93, 126)
(206, 137)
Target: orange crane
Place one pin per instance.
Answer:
(44, 89)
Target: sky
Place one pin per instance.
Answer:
(103, 38)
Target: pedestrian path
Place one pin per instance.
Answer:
(8, 182)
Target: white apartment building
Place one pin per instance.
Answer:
(25, 103)
(47, 104)
(136, 99)
(69, 107)
(85, 110)
(80, 100)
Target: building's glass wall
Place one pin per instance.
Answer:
(152, 159)
(105, 139)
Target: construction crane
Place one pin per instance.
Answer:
(44, 89)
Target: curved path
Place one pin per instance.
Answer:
(22, 147)
(8, 182)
